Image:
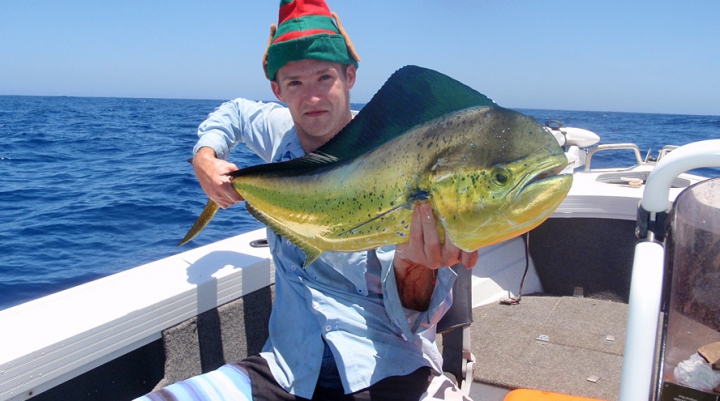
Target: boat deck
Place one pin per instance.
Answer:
(563, 344)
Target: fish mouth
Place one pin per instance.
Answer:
(552, 172)
(545, 174)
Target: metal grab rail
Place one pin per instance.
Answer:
(612, 146)
(666, 150)
(648, 269)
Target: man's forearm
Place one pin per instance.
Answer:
(415, 284)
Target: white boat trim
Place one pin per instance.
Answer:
(590, 199)
(63, 335)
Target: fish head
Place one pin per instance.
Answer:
(506, 181)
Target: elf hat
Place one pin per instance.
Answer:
(307, 30)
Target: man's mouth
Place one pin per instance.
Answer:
(315, 113)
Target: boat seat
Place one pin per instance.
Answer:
(538, 395)
(564, 344)
(221, 335)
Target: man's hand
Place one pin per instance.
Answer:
(424, 247)
(415, 261)
(212, 174)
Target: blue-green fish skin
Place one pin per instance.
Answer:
(489, 173)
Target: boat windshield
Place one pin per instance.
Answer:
(692, 336)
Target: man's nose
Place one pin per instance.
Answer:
(312, 93)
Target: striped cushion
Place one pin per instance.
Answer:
(229, 382)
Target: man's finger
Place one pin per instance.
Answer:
(416, 227)
(415, 249)
(432, 247)
(469, 259)
(451, 253)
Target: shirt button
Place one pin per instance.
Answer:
(293, 267)
(288, 242)
(404, 337)
(328, 327)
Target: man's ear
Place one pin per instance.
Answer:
(276, 90)
(351, 74)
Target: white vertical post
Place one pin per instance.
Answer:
(643, 318)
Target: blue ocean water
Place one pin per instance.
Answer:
(93, 186)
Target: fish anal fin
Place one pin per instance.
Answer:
(311, 252)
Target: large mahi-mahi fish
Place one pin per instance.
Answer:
(489, 173)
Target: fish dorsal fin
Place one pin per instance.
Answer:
(410, 97)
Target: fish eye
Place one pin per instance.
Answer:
(500, 176)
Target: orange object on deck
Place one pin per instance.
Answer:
(537, 395)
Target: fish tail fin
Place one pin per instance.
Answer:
(207, 214)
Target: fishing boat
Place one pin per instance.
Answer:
(570, 308)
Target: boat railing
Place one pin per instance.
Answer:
(665, 150)
(612, 146)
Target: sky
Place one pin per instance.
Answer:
(597, 55)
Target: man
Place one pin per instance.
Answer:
(348, 326)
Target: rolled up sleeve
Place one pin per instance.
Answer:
(257, 124)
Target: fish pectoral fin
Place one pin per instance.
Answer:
(419, 195)
(207, 214)
(378, 217)
(415, 197)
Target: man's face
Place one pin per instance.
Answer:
(318, 96)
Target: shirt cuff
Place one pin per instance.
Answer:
(221, 130)
(214, 140)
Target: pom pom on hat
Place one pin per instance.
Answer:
(307, 30)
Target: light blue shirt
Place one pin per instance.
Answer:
(348, 299)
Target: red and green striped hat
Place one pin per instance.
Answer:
(307, 30)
